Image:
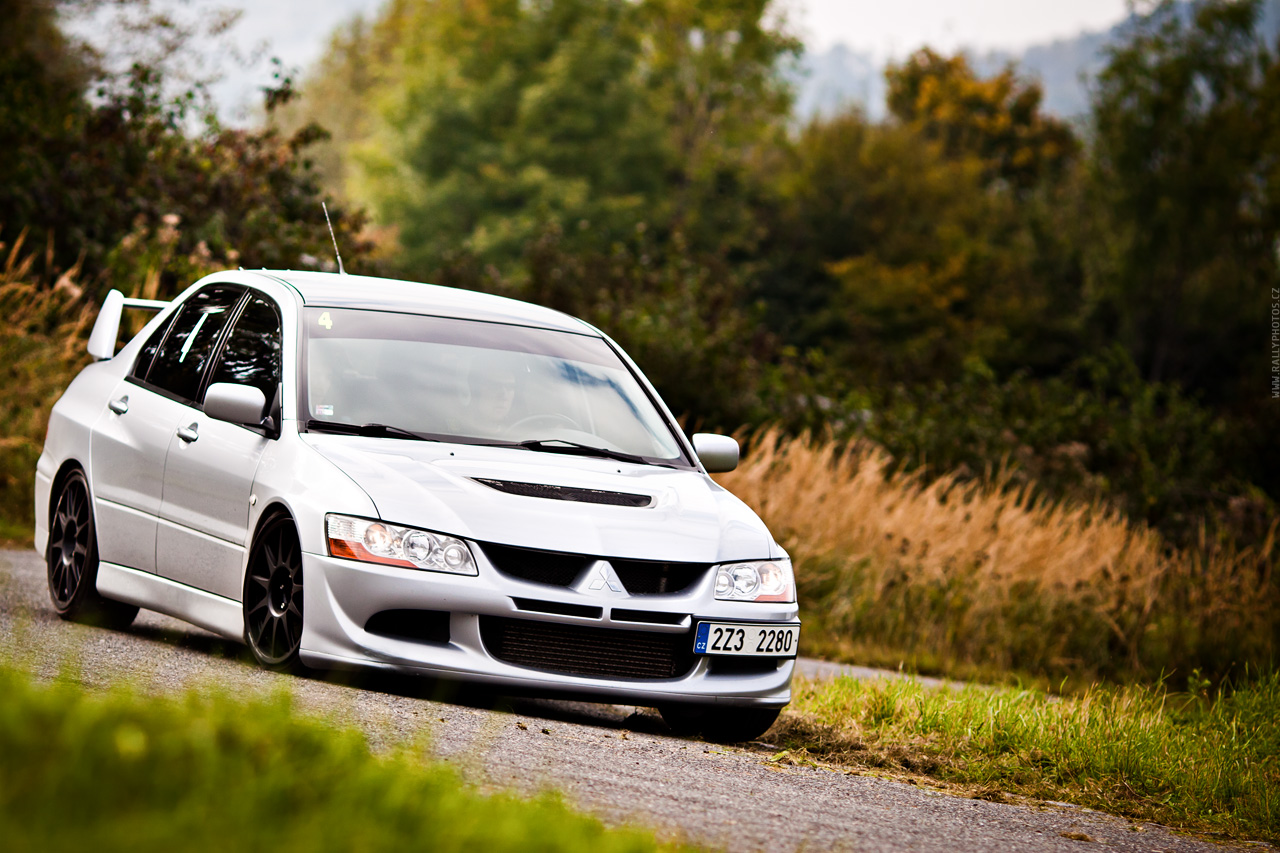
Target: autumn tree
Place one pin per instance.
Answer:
(996, 119)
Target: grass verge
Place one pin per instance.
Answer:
(982, 575)
(123, 771)
(1191, 761)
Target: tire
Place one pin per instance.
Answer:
(72, 561)
(273, 597)
(719, 723)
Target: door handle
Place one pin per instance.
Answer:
(188, 433)
(119, 406)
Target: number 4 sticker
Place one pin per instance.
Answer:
(326, 320)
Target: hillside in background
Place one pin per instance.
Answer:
(834, 78)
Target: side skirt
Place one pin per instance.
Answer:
(212, 612)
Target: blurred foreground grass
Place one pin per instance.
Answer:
(1209, 764)
(207, 771)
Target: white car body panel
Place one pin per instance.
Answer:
(204, 517)
(127, 462)
(176, 520)
(429, 486)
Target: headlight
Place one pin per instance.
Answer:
(767, 580)
(393, 545)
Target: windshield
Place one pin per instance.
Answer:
(479, 383)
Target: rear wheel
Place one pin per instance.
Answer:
(273, 596)
(719, 723)
(72, 560)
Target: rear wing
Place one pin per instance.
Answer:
(102, 340)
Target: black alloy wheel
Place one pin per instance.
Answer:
(273, 596)
(72, 560)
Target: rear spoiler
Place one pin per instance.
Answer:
(102, 340)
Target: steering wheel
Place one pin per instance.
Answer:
(549, 418)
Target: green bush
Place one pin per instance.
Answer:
(206, 771)
(1097, 431)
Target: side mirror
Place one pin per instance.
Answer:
(718, 453)
(238, 404)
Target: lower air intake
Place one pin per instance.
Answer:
(578, 650)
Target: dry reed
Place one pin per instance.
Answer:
(985, 572)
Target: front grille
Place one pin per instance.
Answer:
(642, 577)
(545, 567)
(560, 608)
(579, 650)
(567, 493)
(621, 615)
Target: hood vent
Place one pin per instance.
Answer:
(567, 493)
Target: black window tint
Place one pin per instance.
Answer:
(143, 364)
(252, 353)
(182, 360)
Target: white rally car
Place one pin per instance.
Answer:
(345, 471)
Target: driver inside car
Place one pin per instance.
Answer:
(492, 389)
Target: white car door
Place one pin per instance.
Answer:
(131, 439)
(128, 447)
(211, 464)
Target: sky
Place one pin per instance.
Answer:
(893, 28)
(297, 32)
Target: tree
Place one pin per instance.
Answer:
(998, 119)
(44, 77)
(1187, 179)
(481, 124)
(98, 164)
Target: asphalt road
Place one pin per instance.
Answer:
(615, 761)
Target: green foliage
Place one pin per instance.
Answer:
(84, 172)
(1096, 431)
(207, 771)
(1187, 187)
(896, 258)
(679, 314)
(1191, 761)
(480, 125)
(43, 76)
(998, 119)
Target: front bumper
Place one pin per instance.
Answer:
(342, 595)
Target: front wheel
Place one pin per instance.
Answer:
(72, 560)
(719, 723)
(273, 605)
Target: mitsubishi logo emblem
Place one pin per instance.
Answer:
(605, 576)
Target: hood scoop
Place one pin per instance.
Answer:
(567, 493)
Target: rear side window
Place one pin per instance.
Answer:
(181, 361)
(252, 353)
(148, 354)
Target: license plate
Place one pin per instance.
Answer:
(734, 638)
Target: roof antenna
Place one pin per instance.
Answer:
(338, 254)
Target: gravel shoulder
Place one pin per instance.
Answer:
(615, 761)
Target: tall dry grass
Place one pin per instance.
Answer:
(42, 334)
(951, 573)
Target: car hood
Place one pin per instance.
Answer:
(435, 486)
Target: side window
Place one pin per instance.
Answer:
(181, 361)
(252, 353)
(148, 354)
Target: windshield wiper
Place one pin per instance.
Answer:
(560, 445)
(372, 430)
